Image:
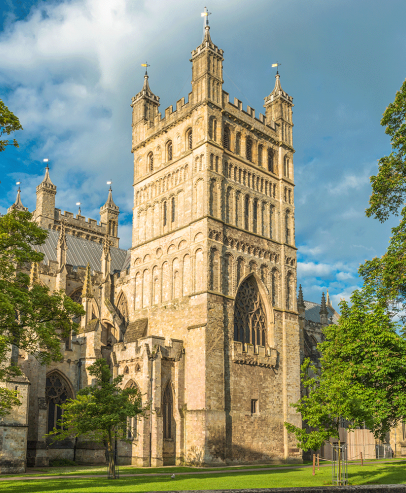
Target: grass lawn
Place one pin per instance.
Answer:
(372, 474)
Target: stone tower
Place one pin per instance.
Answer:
(213, 265)
(44, 213)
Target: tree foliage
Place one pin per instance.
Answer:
(100, 411)
(9, 123)
(31, 318)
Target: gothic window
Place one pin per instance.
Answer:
(238, 143)
(169, 151)
(287, 230)
(167, 411)
(246, 212)
(56, 393)
(286, 167)
(248, 149)
(249, 314)
(213, 198)
(290, 196)
(271, 161)
(150, 162)
(229, 205)
(273, 287)
(131, 428)
(211, 162)
(122, 307)
(255, 216)
(76, 296)
(285, 195)
(260, 151)
(237, 207)
(217, 164)
(226, 137)
(288, 290)
(214, 269)
(271, 210)
(173, 209)
(274, 191)
(165, 213)
(189, 139)
(213, 128)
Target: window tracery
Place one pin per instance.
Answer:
(249, 314)
(57, 392)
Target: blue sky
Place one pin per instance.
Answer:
(69, 70)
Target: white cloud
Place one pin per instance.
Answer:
(312, 269)
(343, 276)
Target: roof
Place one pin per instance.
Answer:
(312, 312)
(81, 252)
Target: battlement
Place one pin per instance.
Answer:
(236, 110)
(80, 221)
(248, 354)
(171, 115)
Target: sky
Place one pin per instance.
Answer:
(70, 68)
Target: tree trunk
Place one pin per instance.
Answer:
(112, 462)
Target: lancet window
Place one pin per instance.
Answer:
(57, 392)
(238, 143)
(132, 422)
(249, 314)
(167, 411)
(260, 151)
(189, 139)
(271, 167)
(150, 162)
(169, 149)
(248, 149)
(226, 137)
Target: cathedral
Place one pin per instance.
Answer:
(200, 314)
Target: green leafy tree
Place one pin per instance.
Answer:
(9, 123)
(31, 318)
(100, 411)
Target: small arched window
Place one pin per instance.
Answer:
(271, 214)
(238, 143)
(213, 128)
(271, 167)
(248, 148)
(273, 287)
(260, 151)
(286, 167)
(167, 411)
(226, 137)
(255, 215)
(150, 162)
(173, 209)
(189, 139)
(246, 212)
(287, 230)
(288, 290)
(165, 213)
(169, 151)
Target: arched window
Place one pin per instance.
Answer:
(167, 411)
(212, 162)
(173, 209)
(122, 307)
(246, 212)
(249, 314)
(213, 128)
(226, 137)
(287, 230)
(189, 139)
(285, 195)
(169, 155)
(288, 290)
(150, 162)
(271, 161)
(271, 214)
(273, 287)
(248, 149)
(238, 143)
(132, 428)
(57, 392)
(260, 151)
(213, 198)
(255, 215)
(286, 167)
(165, 213)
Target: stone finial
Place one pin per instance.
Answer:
(18, 205)
(106, 246)
(62, 246)
(87, 285)
(328, 300)
(34, 275)
(323, 311)
(300, 301)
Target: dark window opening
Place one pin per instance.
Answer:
(254, 406)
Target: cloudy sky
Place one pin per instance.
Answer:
(69, 69)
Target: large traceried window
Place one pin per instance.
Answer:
(249, 314)
(167, 411)
(57, 392)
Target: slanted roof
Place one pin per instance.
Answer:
(312, 312)
(81, 252)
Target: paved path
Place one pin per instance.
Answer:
(168, 474)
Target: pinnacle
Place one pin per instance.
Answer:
(34, 275)
(87, 285)
(18, 205)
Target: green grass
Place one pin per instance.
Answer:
(372, 474)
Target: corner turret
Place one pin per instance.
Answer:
(323, 311)
(18, 205)
(44, 213)
(109, 216)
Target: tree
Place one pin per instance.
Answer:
(8, 123)
(100, 411)
(31, 318)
